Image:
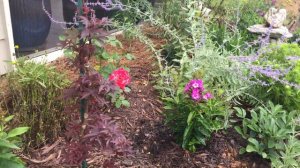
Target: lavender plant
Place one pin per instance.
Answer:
(275, 72)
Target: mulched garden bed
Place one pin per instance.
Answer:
(143, 124)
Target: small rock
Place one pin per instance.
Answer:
(127, 162)
(224, 155)
(275, 33)
(232, 142)
(221, 166)
(117, 118)
(236, 164)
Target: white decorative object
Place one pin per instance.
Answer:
(275, 17)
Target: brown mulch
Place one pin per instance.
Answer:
(293, 12)
(143, 124)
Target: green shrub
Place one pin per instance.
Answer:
(171, 12)
(290, 157)
(192, 122)
(279, 53)
(279, 92)
(230, 21)
(9, 140)
(35, 90)
(130, 15)
(269, 132)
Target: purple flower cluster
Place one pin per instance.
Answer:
(244, 59)
(195, 89)
(267, 71)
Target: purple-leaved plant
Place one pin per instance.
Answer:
(91, 129)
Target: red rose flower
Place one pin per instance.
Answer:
(121, 77)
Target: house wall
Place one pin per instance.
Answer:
(6, 38)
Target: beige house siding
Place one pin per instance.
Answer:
(6, 38)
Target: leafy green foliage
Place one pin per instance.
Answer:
(192, 122)
(279, 53)
(290, 157)
(9, 140)
(118, 99)
(278, 92)
(171, 13)
(129, 15)
(268, 132)
(108, 62)
(35, 90)
(230, 20)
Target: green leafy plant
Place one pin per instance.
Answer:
(290, 157)
(119, 100)
(193, 121)
(230, 20)
(9, 141)
(35, 90)
(129, 15)
(171, 13)
(108, 62)
(194, 124)
(280, 53)
(269, 132)
(280, 58)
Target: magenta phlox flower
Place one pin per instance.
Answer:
(196, 94)
(194, 84)
(195, 90)
(207, 96)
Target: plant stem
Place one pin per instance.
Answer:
(84, 164)
(82, 72)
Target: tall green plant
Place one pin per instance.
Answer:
(230, 20)
(35, 90)
(193, 124)
(194, 115)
